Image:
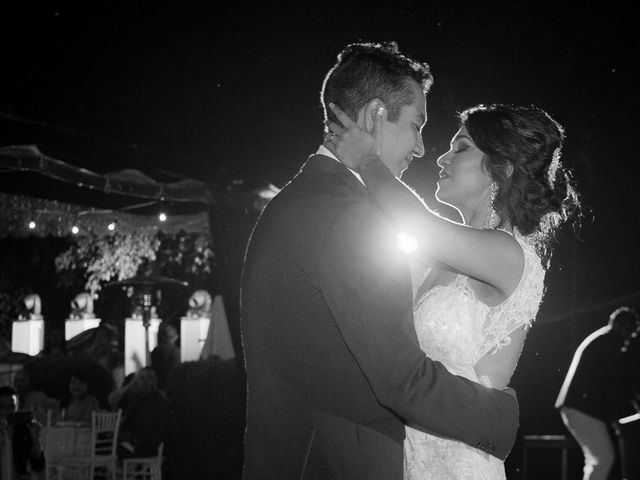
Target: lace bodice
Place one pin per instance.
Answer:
(457, 329)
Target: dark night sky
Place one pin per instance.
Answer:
(213, 89)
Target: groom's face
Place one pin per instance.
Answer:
(402, 139)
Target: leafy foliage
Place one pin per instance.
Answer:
(185, 256)
(101, 259)
(104, 258)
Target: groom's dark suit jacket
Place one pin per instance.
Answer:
(334, 367)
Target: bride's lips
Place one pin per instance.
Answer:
(442, 175)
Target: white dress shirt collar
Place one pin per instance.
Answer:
(322, 150)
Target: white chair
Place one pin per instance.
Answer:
(102, 450)
(143, 468)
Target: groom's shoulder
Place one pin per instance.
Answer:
(334, 177)
(321, 178)
(315, 196)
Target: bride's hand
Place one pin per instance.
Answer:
(351, 144)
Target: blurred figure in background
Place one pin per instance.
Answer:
(20, 447)
(35, 401)
(598, 390)
(80, 403)
(167, 354)
(145, 415)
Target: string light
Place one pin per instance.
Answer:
(75, 230)
(162, 217)
(111, 226)
(33, 216)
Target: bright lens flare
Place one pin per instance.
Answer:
(406, 243)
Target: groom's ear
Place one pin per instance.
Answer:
(368, 114)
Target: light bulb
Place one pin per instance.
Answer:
(162, 217)
(32, 224)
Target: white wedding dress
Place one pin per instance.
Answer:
(457, 329)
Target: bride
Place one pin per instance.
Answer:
(485, 279)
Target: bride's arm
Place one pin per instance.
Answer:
(491, 256)
(487, 255)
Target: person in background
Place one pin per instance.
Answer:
(80, 403)
(20, 447)
(34, 400)
(598, 390)
(145, 415)
(166, 355)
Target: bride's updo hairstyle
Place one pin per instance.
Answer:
(522, 147)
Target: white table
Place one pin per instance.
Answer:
(66, 438)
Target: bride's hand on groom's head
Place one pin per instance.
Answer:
(351, 144)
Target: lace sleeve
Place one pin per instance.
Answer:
(419, 274)
(519, 309)
(495, 370)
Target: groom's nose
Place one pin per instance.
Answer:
(418, 151)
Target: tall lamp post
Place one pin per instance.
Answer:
(146, 321)
(144, 289)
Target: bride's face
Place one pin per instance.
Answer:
(464, 183)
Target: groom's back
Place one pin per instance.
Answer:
(296, 359)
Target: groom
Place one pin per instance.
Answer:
(334, 368)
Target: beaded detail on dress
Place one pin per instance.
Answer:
(455, 328)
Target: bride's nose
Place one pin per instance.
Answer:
(443, 160)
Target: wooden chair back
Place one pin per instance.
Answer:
(104, 433)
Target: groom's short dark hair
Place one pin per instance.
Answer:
(365, 71)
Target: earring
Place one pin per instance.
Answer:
(492, 217)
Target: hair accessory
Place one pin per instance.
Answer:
(553, 167)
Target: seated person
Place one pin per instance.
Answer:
(145, 415)
(77, 407)
(35, 401)
(20, 447)
(166, 355)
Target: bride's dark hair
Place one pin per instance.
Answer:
(522, 147)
